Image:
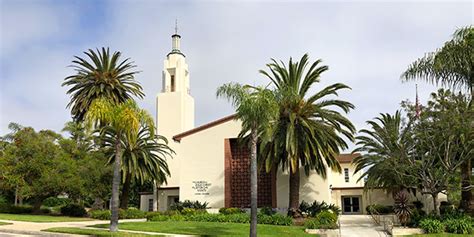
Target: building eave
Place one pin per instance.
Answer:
(178, 137)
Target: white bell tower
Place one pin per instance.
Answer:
(175, 105)
(174, 111)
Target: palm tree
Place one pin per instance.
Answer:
(144, 158)
(256, 108)
(452, 65)
(125, 120)
(310, 129)
(386, 143)
(105, 76)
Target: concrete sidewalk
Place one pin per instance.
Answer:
(35, 228)
(360, 226)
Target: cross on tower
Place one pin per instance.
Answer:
(176, 26)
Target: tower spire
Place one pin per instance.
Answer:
(176, 26)
(176, 40)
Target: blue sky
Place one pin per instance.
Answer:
(366, 45)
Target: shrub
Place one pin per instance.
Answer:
(179, 206)
(100, 214)
(21, 209)
(313, 223)
(431, 226)
(3, 200)
(188, 211)
(446, 208)
(401, 208)
(267, 211)
(275, 219)
(416, 216)
(326, 217)
(230, 210)
(131, 213)
(171, 212)
(418, 204)
(379, 209)
(55, 201)
(73, 209)
(316, 207)
(459, 226)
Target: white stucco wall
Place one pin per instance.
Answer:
(202, 159)
(312, 187)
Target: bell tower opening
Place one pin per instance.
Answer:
(173, 85)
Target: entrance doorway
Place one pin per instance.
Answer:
(351, 205)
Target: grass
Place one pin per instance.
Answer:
(40, 218)
(211, 228)
(438, 235)
(98, 233)
(4, 223)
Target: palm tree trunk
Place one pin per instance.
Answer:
(466, 193)
(155, 196)
(253, 184)
(294, 199)
(115, 187)
(125, 192)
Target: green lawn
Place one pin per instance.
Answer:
(40, 218)
(211, 228)
(98, 233)
(438, 235)
(4, 223)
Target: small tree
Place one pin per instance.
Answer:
(124, 120)
(255, 109)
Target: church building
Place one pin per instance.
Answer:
(210, 167)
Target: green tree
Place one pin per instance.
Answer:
(256, 108)
(310, 129)
(125, 120)
(452, 65)
(386, 142)
(443, 142)
(105, 77)
(36, 167)
(144, 159)
(91, 162)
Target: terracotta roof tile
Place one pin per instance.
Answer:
(347, 158)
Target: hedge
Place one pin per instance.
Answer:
(276, 219)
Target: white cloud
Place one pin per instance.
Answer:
(366, 45)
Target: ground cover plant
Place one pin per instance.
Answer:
(131, 213)
(323, 220)
(185, 215)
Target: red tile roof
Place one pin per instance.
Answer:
(347, 158)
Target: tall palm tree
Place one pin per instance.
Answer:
(125, 120)
(256, 108)
(102, 75)
(144, 159)
(310, 129)
(386, 143)
(452, 65)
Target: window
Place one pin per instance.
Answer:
(346, 175)
(150, 204)
(173, 87)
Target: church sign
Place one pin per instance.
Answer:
(201, 187)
